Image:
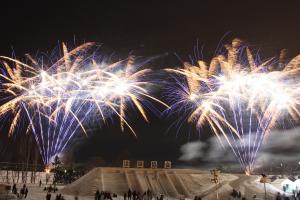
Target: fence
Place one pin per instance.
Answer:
(20, 166)
(34, 177)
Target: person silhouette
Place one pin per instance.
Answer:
(48, 196)
(129, 193)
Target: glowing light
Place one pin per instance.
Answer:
(47, 170)
(121, 87)
(193, 97)
(58, 99)
(241, 102)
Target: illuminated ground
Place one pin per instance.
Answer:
(173, 183)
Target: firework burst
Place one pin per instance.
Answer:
(58, 99)
(241, 101)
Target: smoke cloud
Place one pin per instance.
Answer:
(279, 146)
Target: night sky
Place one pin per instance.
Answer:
(147, 28)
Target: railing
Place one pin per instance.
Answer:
(21, 166)
(8, 176)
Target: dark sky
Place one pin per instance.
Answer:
(157, 26)
(148, 28)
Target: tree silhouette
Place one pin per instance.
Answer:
(57, 170)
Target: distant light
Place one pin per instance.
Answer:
(47, 170)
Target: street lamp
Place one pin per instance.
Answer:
(215, 179)
(281, 165)
(264, 180)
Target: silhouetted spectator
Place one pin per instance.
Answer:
(109, 196)
(14, 189)
(239, 194)
(278, 196)
(48, 196)
(97, 195)
(40, 183)
(22, 192)
(125, 196)
(25, 192)
(50, 188)
(134, 195)
(129, 193)
(102, 196)
(234, 193)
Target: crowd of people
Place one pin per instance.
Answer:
(23, 191)
(148, 195)
(51, 188)
(296, 196)
(135, 195)
(238, 195)
(103, 195)
(197, 198)
(58, 196)
(129, 195)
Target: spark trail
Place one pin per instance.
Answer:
(57, 99)
(241, 100)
